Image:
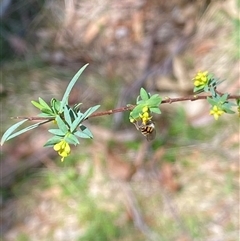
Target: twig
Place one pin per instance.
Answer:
(167, 100)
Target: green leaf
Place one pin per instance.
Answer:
(52, 141)
(238, 102)
(27, 129)
(136, 111)
(47, 111)
(224, 97)
(229, 111)
(140, 102)
(76, 122)
(10, 130)
(155, 110)
(56, 132)
(36, 104)
(43, 104)
(86, 131)
(89, 111)
(67, 116)
(200, 89)
(69, 88)
(211, 101)
(153, 102)
(47, 115)
(81, 134)
(71, 139)
(61, 124)
(55, 104)
(144, 95)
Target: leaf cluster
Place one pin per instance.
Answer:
(145, 99)
(68, 119)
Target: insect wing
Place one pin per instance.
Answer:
(151, 136)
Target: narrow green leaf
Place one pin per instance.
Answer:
(76, 107)
(67, 116)
(55, 104)
(198, 90)
(229, 111)
(61, 124)
(43, 103)
(211, 101)
(155, 110)
(224, 97)
(56, 132)
(27, 129)
(52, 141)
(47, 115)
(10, 130)
(71, 139)
(89, 111)
(140, 102)
(144, 95)
(69, 88)
(153, 102)
(136, 111)
(86, 131)
(238, 102)
(47, 111)
(36, 104)
(76, 122)
(81, 134)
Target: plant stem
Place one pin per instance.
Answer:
(167, 100)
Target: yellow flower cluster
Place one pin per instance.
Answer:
(62, 148)
(216, 112)
(145, 115)
(201, 79)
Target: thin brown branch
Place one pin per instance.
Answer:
(167, 100)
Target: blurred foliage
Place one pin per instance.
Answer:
(16, 21)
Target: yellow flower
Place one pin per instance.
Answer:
(145, 109)
(201, 79)
(62, 148)
(145, 115)
(216, 112)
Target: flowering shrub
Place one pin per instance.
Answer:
(69, 120)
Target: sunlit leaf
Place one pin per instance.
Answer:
(61, 124)
(47, 111)
(154, 101)
(155, 110)
(144, 95)
(55, 104)
(43, 103)
(71, 139)
(67, 116)
(52, 141)
(69, 88)
(26, 129)
(211, 101)
(89, 111)
(86, 131)
(56, 132)
(76, 122)
(36, 104)
(81, 134)
(10, 130)
(224, 97)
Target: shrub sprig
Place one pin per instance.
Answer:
(69, 127)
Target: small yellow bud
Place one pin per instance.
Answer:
(145, 109)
